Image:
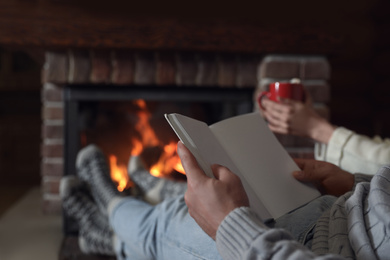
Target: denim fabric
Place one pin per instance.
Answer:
(301, 222)
(165, 231)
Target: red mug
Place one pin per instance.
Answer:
(287, 90)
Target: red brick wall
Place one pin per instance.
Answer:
(52, 146)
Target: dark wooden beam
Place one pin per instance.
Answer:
(56, 24)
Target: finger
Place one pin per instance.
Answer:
(216, 170)
(193, 172)
(302, 176)
(285, 101)
(279, 107)
(301, 162)
(277, 114)
(310, 172)
(278, 129)
(222, 173)
(289, 102)
(282, 113)
(268, 104)
(260, 102)
(276, 121)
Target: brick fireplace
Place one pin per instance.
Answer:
(176, 71)
(124, 44)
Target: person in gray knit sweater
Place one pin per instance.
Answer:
(213, 219)
(355, 226)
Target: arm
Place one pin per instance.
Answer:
(242, 235)
(354, 152)
(344, 148)
(220, 207)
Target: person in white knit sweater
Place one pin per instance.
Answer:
(335, 144)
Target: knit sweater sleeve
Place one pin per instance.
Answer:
(353, 152)
(242, 235)
(359, 177)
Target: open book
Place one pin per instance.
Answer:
(249, 149)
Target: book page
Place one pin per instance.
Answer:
(207, 150)
(265, 163)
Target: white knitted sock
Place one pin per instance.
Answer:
(153, 188)
(93, 168)
(95, 233)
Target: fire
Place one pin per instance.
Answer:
(143, 127)
(167, 162)
(119, 174)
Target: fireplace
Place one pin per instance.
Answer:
(75, 78)
(80, 84)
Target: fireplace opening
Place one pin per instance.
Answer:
(127, 121)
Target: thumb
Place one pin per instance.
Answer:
(307, 177)
(193, 172)
(301, 176)
(222, 173)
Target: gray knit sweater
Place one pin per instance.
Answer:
(356, 227)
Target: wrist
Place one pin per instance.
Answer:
(322, 131)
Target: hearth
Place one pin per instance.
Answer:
(108, 115)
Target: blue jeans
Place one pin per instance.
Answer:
(164, 231)
(302, 221)
(167, 231)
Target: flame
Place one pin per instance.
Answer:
(149, 137)
(169, 160)
(119, 174)
(137, 147)
(166, 164)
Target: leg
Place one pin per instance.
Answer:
(93, 169)
(165, 231)
(143, 231)
(301, 222)
(154, 189)
(95, 233)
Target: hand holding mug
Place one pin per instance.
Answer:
(291, 116)
(282, 90)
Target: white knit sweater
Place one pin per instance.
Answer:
(353, 152)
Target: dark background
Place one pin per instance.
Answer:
(360, 79)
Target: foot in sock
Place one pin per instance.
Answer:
(154, 189)
(95, 234)
(93, 168)
(76, 200)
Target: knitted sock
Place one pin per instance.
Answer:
(76, 201)
(95, 234)
(154, 189)
(92, 168)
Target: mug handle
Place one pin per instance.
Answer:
(260, 97)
